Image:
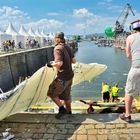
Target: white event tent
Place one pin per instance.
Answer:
(4, 37)
(46, 38)
(15, 35)
(51, 36)
(38, 33)
(23, 32)
(43, 34)
(31, 33)
(39, 37)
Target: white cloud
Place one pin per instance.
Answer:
(90, 22)
(85, 21)
(14, 15)
(104, 2)
(46, 24)
(81, 13)
(10, 12)
(111, 7)
(80, 26)
(18, 17)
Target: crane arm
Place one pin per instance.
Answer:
(122, 18)
(129, 8)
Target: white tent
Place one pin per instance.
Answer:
(27, 37)
(31, 32)
(15, 36)
(4, 37)
(35, 37)
(11, 30)
(46, 38)
(38, 33)
(40, 38)
(43, 34)
(23, 31)
(51, 36)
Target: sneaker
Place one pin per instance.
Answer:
(10, 137)
(61, 113)
(5, 134)
(123, 117)
(69, 112)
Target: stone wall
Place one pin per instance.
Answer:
(22, 64)
(42, 126)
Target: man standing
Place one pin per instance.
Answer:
(132, 88)
(115, 92)
(105, 92)
(61, 86)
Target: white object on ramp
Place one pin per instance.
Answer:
(34, 90)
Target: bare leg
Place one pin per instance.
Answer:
(68, 105)
(128, 104)
(57, 101)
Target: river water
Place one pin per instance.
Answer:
(116, 61)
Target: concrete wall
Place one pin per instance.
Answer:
(22, 64)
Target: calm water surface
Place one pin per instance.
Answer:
(116, 61)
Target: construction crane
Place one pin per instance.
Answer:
(119, 25)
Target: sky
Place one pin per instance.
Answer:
(68, 16)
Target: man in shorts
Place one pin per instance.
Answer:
(132, 88)
(61, 86)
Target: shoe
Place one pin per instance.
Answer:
(123, 117)
(61, 113)
(5, 134)
(69, 112)
(10, 137)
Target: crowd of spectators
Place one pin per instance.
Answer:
(32, 43)
(10, 45)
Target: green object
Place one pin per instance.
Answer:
(109, 32)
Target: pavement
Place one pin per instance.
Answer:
(44, 126)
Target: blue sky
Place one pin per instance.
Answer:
(69, 16)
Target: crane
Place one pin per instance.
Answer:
(119, 25)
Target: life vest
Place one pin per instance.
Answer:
(115, 91)
(105, 88)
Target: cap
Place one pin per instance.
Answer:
(59, 35)
(135, 24)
